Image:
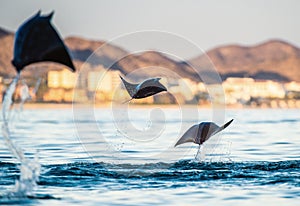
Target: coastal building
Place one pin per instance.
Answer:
(188, 88)
(241, 90)
(105, 81)
(93, 79)
(292, 86)
(216, 94)
(60, 86)
(267, 89)
(54, 95)
(61, 79)
(201, 87)
(53, 79)
(237, 89)
(105, 85)
(68, 79)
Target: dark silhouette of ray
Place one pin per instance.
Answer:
(36, 40)
(144, 89)
(200, 133)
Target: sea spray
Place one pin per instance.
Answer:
(30, 171)
(29, 168)
(7, 102)
(25, 95)
(200, 155)
(220, 153)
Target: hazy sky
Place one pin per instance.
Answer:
(207, 23)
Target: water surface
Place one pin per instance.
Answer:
(257, 160)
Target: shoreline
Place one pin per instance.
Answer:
(107, 105)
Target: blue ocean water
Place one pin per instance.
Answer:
(255, 161)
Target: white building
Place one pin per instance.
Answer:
(292, 86)
(104, 81)
(242, 89)
(62, 79)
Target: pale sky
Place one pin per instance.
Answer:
(207, 23)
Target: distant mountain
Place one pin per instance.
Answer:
(276, 60)
(6, 52)
(116, 58)
(4, 32)
(152, 63)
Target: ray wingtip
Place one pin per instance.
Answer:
(38, 13)
(179, 142)
(72, 67)
(228, 123)
(50, 15)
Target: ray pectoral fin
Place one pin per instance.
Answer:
(60, 55)
(189, 136)
(184, 139)
(131, 88)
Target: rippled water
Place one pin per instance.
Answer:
(257, 160)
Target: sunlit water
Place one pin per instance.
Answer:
(257, 160)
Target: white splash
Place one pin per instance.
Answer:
(30, 168)
(200, 156)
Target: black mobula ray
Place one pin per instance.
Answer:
(36, 40)
(144, 89)
(200, 133)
